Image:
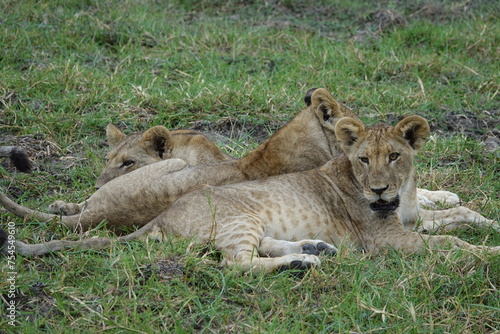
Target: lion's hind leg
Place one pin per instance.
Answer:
(449, 219)
(60, 245)
(151, 230)
(432, 198)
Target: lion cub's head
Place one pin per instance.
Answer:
(382, 157)
(130, 152)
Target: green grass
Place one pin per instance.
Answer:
(70, 67)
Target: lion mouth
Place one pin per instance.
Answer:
(382, 205)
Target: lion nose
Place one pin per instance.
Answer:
(379, 191)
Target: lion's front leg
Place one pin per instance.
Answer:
(250, 261)
(244, 246)
(66, 209)
(275, 254)
(273, 247)
(444, 242)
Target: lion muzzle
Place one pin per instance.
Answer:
(383, 205)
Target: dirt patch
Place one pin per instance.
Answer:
(164, 270)
(35, 302)
(484, 127)
(231, 129)
(385, 19)
(47, 157)
(468, 123)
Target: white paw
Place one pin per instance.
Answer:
(448, 198)
(424, 201)
(432, 198)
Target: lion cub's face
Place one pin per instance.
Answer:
(130, 152)
(382, 157)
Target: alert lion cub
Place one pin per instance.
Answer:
(287, 220)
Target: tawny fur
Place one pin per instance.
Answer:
(307, 142)
(356, 198)
(133, 151)
(130, 152)
(304, 143)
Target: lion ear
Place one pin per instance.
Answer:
(348, 131)
(324, 102)
(413, 129)
(114, 135)
(158, 139)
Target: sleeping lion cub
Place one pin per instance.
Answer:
(130, 152)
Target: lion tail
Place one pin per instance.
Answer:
(24, 212)
(18, 157)
(59, 245)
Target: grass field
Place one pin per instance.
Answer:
(238, 70)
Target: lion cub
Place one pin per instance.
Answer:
(306, 142)
(130, 152)
(363, 196)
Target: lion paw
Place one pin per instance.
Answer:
(446, 197)
(300, 262)
(423, 201)
(65, 209)
(317, 247)
(433, 198)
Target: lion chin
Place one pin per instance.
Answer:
(382, 205)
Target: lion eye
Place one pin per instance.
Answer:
(393, 156)
(364, 160)
(127, 163)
